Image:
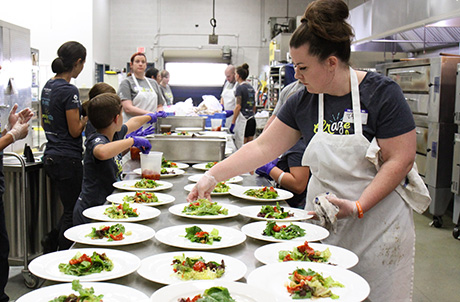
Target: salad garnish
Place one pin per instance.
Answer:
(221, 187)
(121, 211)
(307, 284)
(196, 268)
(141, 197)
(283, 232)
(196, 234)
(85, 294)
(213, 294)
(263, 193)
(210, 164)
(82, 265)
(112, 233)
(305, 253)
(145, 183)
(202, 207)
(167, 163)
(275, 212)
(164, 171)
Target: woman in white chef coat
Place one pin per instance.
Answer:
(139, 94)
(341, 114)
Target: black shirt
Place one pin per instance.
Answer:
(247, 94)
(58, 96)
(98, 175)
(388, 114)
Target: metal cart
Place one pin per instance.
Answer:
(23, 184)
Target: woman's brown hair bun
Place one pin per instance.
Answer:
(325, 30)
(327, 20)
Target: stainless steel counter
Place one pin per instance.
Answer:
(243, 252)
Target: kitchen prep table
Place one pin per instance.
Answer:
(243, 251)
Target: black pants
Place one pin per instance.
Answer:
(4, 251)
(66, 174)
(250, 129)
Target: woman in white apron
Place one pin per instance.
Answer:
(139, 94)
(374, 221)
(243, 123)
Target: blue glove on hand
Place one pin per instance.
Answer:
(153, 117)
(267, 168)
(142, 144)
(232, 127)
(161, 114)
(228, 113)
(134, 133)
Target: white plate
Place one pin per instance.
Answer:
(97, 213)
(268, 254)
(240, 292)
(47, 266)
(188, 129)
(201, 166)
(239, 192)
(313, 232)
(175, 236)
(129, 185)
(177, 172)
(139, 233)
(112, 292)
(273, 278)
(232, 211)
(252, 212)
(196, 178)
(189, 188)
(158, 268)
(162, 199)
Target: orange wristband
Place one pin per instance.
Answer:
(360, 210)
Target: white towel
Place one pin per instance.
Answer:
(326, 212)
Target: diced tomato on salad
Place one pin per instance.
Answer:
(82, 258)
(306, 249)
(278, 228)
(117, 237)
(201, 234)
(199, 266)
(270, 189)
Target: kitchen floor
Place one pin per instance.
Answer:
(437, 264)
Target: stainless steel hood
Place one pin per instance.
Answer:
(405, 25)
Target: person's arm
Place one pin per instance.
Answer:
(5, 140)
(295, 180)
(130, 109)
(398, 155)
(137, 121)
(237, 109)
(75, 124)
(112, 149)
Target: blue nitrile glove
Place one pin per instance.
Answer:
(228, 113)
(147, 131)
(134, 133)
(223, 108)
(142, 144)
(267, 168)
(232, 127)
(153, 117)
(161, 114)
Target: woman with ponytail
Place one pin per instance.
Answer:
(63, 124)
